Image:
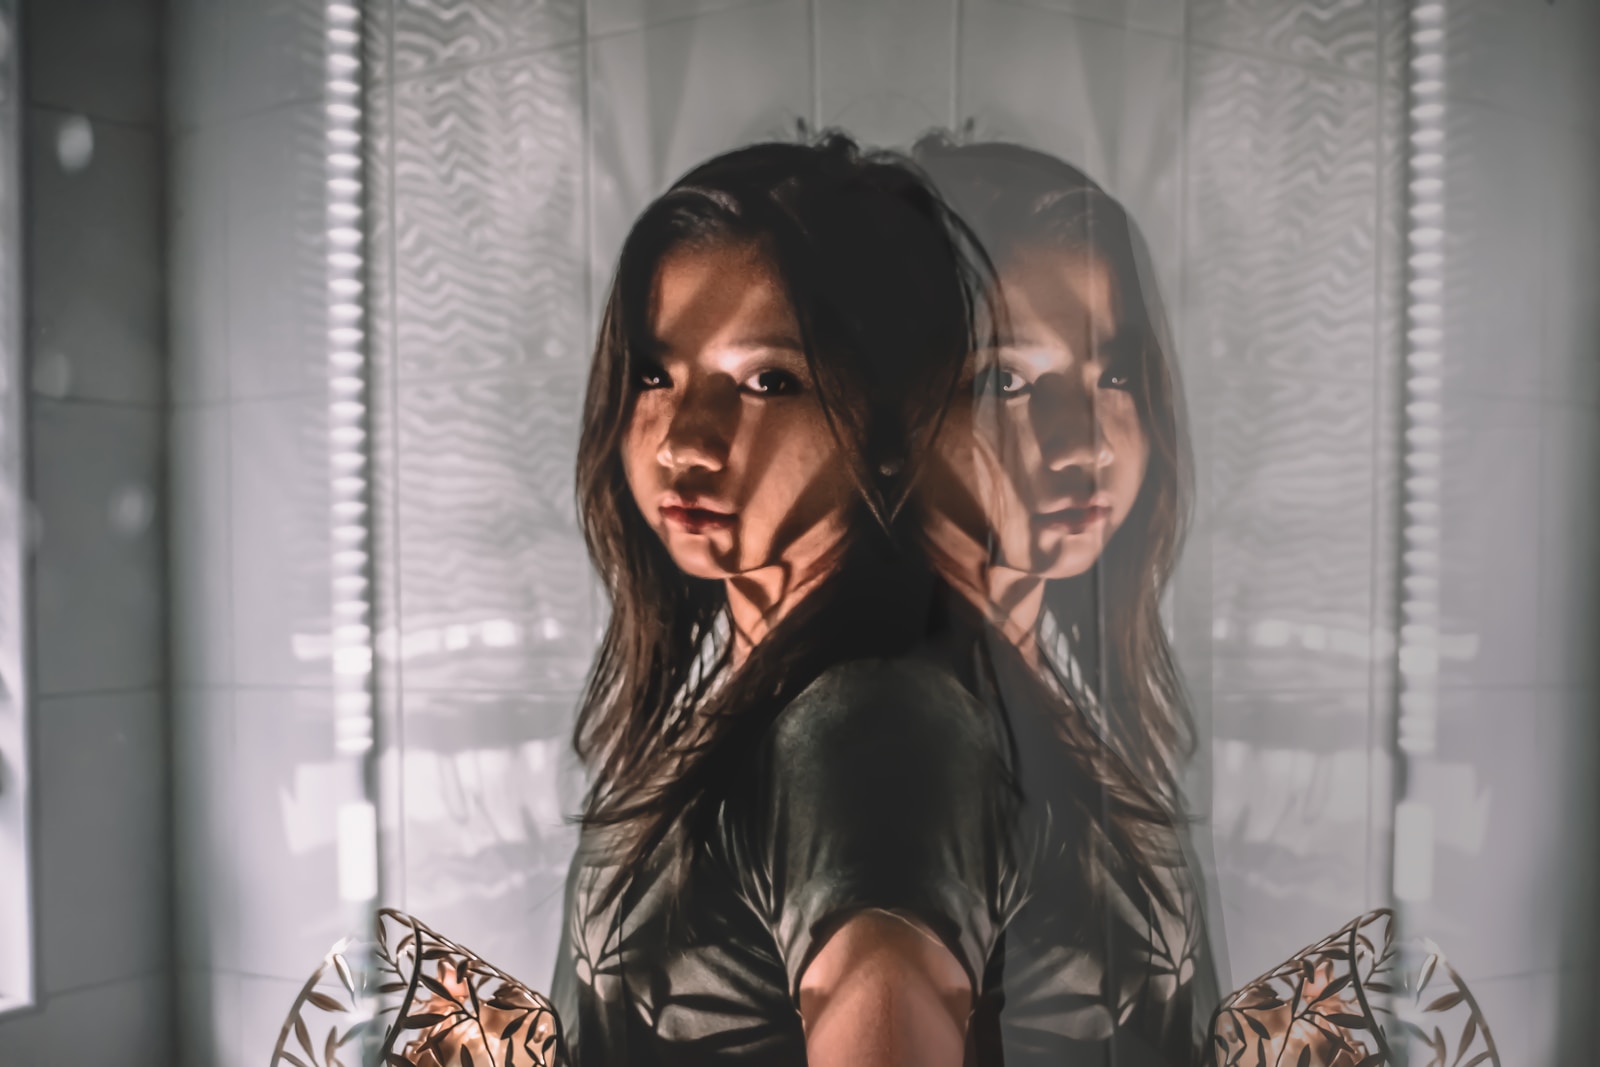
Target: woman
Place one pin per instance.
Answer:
(1055, 510)
(794, 847)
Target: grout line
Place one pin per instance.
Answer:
(1379, 705)
(690, 16)
(815, 44)
(457, 67)
(155, 689)
(382, 574)
(957, 55)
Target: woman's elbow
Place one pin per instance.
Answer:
(883, 992)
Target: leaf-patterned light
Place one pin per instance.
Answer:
(441, 1005)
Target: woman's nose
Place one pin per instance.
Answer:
(698, 433)
(1069, 430)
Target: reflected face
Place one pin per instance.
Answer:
(727, 452)
(1047, 452)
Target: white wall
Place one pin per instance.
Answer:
(1512, 781)
(93, 358)
(255, 788)
(1259, 144)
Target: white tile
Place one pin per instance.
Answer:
(275, 53)
(1291, 514)
(1492, 256)
(281, 541)
(95, 258)
(1522, 1017)
(197, 290)
(102, 764)
(205, 829)
(610, 16)
(126, 1023)
(1572, 76)
(1488, 591)
(886, 71)
(1494, 53)
(493, 572)
(670, 97)
(1338, 34)
(263, 1007)
(201, 607)
(1291, 778)
(489, 789)
(1281, 218)
(1105, 99)
(429, 33)
(290, 782)
(99, 57)
(1499, 833)
(1569, 527)
(277, 242)
(25, 1038)
(1162, 16)
(489, 217)
(1579, 1030)
(198, 74)
(1571, 268)
(1573, 735)
(98, 590)
(208, 1020)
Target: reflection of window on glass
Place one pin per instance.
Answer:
(16, 934)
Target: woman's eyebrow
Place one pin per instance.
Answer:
(769, 341)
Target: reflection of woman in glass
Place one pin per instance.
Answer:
(1055, 509)
(793, 848)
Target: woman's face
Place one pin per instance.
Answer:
(1047, 451)
(727, 451)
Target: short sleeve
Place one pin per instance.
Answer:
(884, 787)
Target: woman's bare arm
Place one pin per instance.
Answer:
(883, 992)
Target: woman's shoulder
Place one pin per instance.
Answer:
(910, 699)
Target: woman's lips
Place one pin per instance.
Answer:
(1072, 520)
(695, 520)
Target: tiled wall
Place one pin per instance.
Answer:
(1258, 143)
(1512, 783)
(515, 147)
(256, 784)
(93, 290)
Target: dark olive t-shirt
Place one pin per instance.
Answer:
(886, 785)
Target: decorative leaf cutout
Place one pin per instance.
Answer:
(1333, 988)
(345, 977)
(1427, 972)
(1446, 1002)
(325, 1002)
(1468, 1033)
(422, 1022)
(440, 990)
(303, 1036)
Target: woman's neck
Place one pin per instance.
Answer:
(758, 600)
(1010, 599)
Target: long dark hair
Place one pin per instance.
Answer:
(884, 292)
(1017, 198)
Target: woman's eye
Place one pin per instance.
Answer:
(652, 377)
(1116, 378)
(773, 383)
(998, 381)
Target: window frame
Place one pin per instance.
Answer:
(18, 941)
